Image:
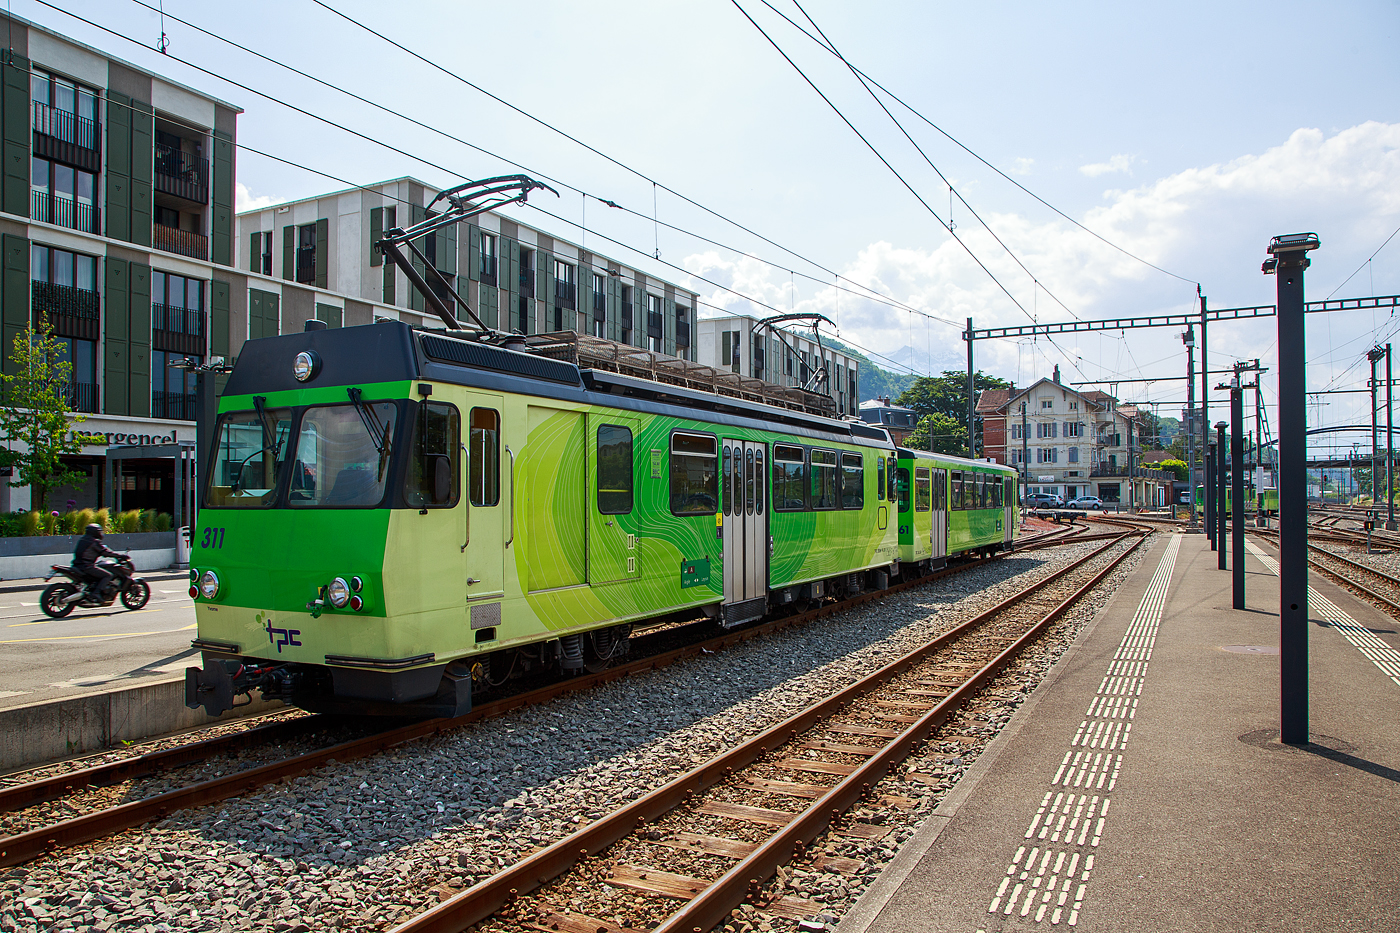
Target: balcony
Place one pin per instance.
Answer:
(488, 268)
(181, 242)
(177, 406)
(65, 212)
(627, 315)
(306, 265)
(527, 282)
(600, 306)
(67, 137)
(72, 312)
(654, 324)
(181, 175)
(82, 396)
(563, 293)
(683, 337)
(177, 330)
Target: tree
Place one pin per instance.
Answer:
(947, 435)
(946, 395)
(35, 413)
(1177, 467)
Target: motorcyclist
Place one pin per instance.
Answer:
(85, 555)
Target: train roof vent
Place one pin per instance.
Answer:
(480, 356)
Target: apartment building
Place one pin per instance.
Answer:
(741, 344)
(116, 226)
(315, 258)
(1070, 443)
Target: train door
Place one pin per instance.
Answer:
(744, 517)
(485, 535)
(940, 516)
(612, 539)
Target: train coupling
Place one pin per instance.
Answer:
(215, 686)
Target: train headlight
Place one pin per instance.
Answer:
(338, 593)
(209, 584)
(356, 584)
(306, 365)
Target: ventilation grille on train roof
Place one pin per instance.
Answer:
(479, 356)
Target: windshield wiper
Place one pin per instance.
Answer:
(378, 433)
(270, 439)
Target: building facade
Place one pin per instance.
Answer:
(739, 344)
(116, 227)
(896, 419)
(1071, 443)
(315, 258)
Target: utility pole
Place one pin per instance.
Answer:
(1389, 449)
(1208, 489)
(1237, 497)
(1287, 262)
(1220, 510)
(1025, 447)
(1189, 338)
(1209, 506)
(1374, 355)
(971, 398)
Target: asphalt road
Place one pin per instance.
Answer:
(93, 649)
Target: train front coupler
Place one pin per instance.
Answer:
(215, 686)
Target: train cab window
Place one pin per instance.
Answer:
(434, 458)
(789, 478)
(484, 457)
(726, 478)
(852, 481)
(880, 479)
(248, 459)
(614, 470)
(823, 479)
(923, 490)
(342, 455)
(957, 493)
(694, 474)
(902, 485)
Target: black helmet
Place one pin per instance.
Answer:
(93, 531)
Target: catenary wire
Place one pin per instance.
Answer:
(1363, 265)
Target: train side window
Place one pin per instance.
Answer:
(994, 487)
(923, 490)
(748, 482)
(694, 477)
(957, 494)
(484, 457)
(758, 480)
(435, 457)
(789, 478)
(880, 479)
(823, 479)
(852, 481)
(726, 477)
(979, 497)
(892, 482)
(614, 470)
(901, 485)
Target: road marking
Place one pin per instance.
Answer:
(20, 641)
(1069, 823)
(12, 693)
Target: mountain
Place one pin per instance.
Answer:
(874, 381)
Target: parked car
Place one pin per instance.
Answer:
(1045, 500)
(1086, 502)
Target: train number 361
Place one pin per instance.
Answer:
(213, 537)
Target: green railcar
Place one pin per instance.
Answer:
(1255, 500)
(950, 506)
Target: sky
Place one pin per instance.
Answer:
(1184, 136)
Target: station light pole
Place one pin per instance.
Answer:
(1374, 355)
(1389, 449)
(1189, 339)
(1237, 500)
(1287, 262)
(1220, 510)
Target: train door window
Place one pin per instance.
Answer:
(823, 479)
(852, 481)
(994, 487)
(880, 479)
(484, 459)
(694, 477)
(957, 498)
(434, 464)
(923, 490)
(614, 470)
(726, 477)
(901, 485)
(736, 489)
(748, 482)
(892, 481)
(789, 478)
(758, 480)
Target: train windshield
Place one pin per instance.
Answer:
(342, 455)
(249, 458)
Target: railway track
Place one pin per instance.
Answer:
(1373, 584)
(722, 829)
(35, 841)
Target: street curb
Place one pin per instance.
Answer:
(26, 587)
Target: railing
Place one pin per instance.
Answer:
(177, 330)
(564, 293)
(626, 315)
(654, 324)
(527, 282)
(488, 266)
(82, 396)
(66, 127)
(683, 338)
(600, 306)
(178, 406)
(306, 265)
(65, 212)
(72, 312)
(181, 242)
(181, 174)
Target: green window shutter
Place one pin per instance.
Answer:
(254, 313)
(323, 252)
(474, 252)
(118, 159)
(219, 318)
(255, 252)
(508, 264)
(14, 295)
(330, 314)
(391, 220)
(376, 233)
(544, 281)
(116, 308)
(289, 252)
(221, 228)
(417, 215)
(447, 250)
(272, 315)
(142, 174)
(17, 136)
(139, 360)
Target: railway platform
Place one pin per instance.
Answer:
(1143, 787)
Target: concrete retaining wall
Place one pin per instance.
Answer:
(38, 733)
(23, 558)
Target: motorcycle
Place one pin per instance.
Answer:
(63, 597)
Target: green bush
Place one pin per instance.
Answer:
(81, 519)
(10, 525)
(163, 522)
(127, 522)
(31, 523)
(103, 517)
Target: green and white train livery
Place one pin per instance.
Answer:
(392, 517)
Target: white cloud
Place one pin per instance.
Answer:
(1119, 163)
(1021, 166)
(244, 200)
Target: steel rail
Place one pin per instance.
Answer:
(489, 895)
(23, 847)
(1342, 578)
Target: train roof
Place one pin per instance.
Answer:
(956, 461)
